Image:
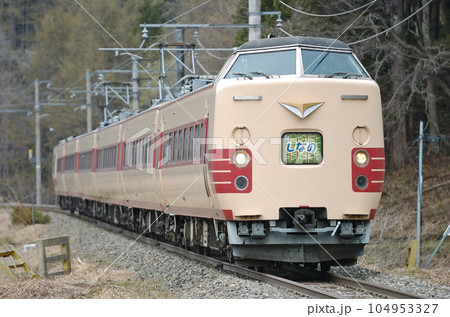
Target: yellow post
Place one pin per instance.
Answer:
(411, 253)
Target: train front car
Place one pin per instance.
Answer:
(301, 174)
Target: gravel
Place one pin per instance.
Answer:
(177, 275)
(404, 283)
(186, 278)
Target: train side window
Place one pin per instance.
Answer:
(202, 144)
(85, 161)
(165, 146)
(180, 145)
(197, 143)
(138, 152)
(144, 151)
(59, 165)
(175, 147)
(191, 142)
(70, 163)
(150, 150)
(126, 153)
(186, 144)
(133, 163)
(99, 157)
(115, 157)
(169, 148)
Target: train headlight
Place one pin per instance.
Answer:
(241, 158)
(361, 158)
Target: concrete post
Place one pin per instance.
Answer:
(254, 17)
(88, 101)
(180, 56)
(135, 83)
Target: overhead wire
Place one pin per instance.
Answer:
(164, 36)
(208, 51)
(285, 32)
(392, 27)
(20, 94)
(201, 66)
(327, 15)
(189, 11)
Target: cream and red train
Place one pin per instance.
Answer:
(279, 159)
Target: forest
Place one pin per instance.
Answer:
(404, 44)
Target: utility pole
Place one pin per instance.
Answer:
(88, 101)
(254, 18)
(135, 83)
(38, 143)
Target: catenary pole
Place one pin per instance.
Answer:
(180, 56)
(419, 193)
(135, 82)
(38, 143)
(254, 18)
(88, 101)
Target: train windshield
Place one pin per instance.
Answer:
(331, 64)
(266, 64)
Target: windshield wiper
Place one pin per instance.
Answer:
(243, 75)
(257, 72)
(353, 75)
(343, 74)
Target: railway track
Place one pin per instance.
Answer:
(324, 285)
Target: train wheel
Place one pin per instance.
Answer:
(311, 265)
(230, 254)
(325, 267)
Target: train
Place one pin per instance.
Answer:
(277, 159)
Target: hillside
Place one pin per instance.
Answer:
(395, 222)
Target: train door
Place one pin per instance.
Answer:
(158, 161)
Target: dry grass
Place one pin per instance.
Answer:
(87, 280)
(395, 223)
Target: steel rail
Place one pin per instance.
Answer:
(263, 277)
(371, 287)
(354, 283)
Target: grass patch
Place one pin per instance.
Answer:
(23, 215)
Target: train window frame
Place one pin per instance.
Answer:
(355, 58)
(283, 161)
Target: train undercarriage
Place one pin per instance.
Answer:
(252, 244)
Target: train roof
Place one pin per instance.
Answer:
(295, 41)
